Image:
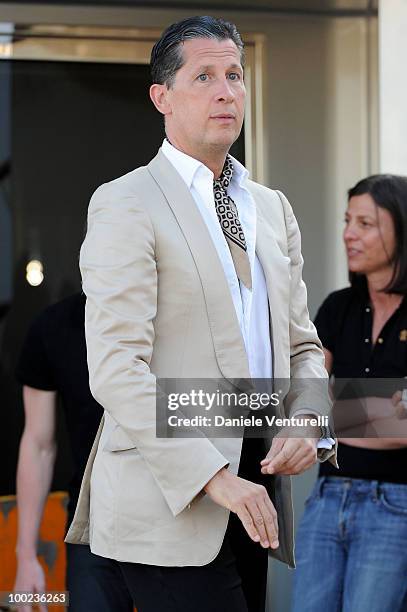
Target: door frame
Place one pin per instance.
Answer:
(133, 46)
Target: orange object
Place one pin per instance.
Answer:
(51, 549)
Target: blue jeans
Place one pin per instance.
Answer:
(352, 548)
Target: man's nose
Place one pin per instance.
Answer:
(225, 92)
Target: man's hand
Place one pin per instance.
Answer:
(290, 455)
(30, 578)
(250, 502)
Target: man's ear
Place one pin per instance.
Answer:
(159, 97)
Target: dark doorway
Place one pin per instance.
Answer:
(65, 128)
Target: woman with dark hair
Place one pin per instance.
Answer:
(352, 538)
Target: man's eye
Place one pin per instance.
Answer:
(203, 77)
(234, 76)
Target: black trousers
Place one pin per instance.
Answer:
(235, 581)
(95, 584)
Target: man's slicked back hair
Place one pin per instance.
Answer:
(167, 57)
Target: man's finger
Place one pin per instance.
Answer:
(273, 512)
(248, 523)
(286, 452)
(305, 454)
(303, 451)
(280, 460)
(259, 521)
(269, 522)
(276, 447)
(288, 464)
(303, 465)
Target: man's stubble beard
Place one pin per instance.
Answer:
(217, 149)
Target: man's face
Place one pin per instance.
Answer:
(206, 101)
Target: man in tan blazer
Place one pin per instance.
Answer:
(193, 271)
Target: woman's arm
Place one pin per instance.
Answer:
(34, 473)
(353, 416)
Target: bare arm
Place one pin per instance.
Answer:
(349, 421)
(34, 473)
(385, 432)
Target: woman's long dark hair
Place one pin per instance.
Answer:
(390, 192)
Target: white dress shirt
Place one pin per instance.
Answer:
(252, 308)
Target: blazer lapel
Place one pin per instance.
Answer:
(276, 271)
(227, 338)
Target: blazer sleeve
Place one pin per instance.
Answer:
(119, 274)
(309, 384)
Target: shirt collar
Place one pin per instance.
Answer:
(188, 166)
(240, 173)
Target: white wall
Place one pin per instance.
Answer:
(393, 86)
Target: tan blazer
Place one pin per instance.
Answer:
(158, 305)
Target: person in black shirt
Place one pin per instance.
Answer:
(53, 361)
(354, 528)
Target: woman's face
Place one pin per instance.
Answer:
(369, 236)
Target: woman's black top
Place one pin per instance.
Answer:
(344, 324)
